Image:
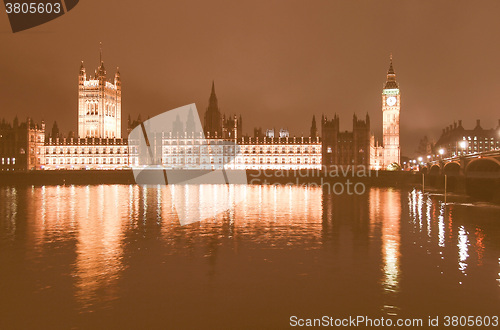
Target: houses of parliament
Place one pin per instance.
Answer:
(99, 143)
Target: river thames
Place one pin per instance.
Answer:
(116, 256)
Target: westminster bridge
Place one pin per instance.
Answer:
(477, 174)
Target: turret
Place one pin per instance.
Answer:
(55, 131)
(101, 72)
(82, 75)
(314, 129)
(478, 125)
(118, 81)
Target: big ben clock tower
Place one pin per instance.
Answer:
(391, 106)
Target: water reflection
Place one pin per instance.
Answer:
(98, 243)
(498, 280)
(461, 238)
(99, 249)
(385, 210)
(89, 219)
(8, 212)
(441, 227)
(463, 243)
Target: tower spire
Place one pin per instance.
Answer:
(100, 52)
(391, 68)
(212, 103)
(213, 123)
(391, 77)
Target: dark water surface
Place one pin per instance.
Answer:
(115, 256)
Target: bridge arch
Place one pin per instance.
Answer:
(488, 164)
(483, 178)
(435, 169)
(452, 168)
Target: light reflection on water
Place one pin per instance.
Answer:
(108, 246)
(498, 280)
(463, 243)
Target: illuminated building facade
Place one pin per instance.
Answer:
(99, 144)
(89, 153)
(391, 108)
(455, 140)
(389, 154)
(196, 152)
(99, 104)
(292, 153)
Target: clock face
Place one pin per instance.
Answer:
(391, 100)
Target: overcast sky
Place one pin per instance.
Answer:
(274, 62)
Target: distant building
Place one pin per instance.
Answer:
(345, 148)
(21, 146)
(425, 146)
(455, 140)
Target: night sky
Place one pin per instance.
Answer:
(274, 62)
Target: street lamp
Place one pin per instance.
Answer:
(463, 146)
(441, 153)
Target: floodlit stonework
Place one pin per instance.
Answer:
(99, 143)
